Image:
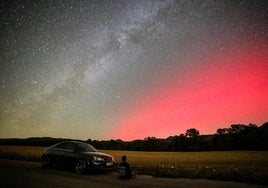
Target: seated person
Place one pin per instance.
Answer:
(124, 169)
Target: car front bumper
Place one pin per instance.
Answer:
(103, 165)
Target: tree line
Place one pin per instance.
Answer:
(236, 137)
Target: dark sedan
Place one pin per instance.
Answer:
(79, 155)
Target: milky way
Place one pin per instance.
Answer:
(131, 69)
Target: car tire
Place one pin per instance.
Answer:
(46, 163)
(81, 166)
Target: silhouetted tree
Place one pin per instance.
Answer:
(236, 128)
(263, 133)
(192, 139)
(223, 131)
(150, 143)
(191, 133)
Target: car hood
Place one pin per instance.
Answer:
(99, 154)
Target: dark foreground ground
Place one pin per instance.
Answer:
(30, 174)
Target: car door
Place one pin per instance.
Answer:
(70, 155)
(57, 153)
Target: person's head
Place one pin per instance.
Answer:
(124, 158)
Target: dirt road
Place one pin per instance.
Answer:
(30, 174)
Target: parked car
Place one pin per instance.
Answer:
(79, 155)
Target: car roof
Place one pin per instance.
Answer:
(73, 141)
(69, 141)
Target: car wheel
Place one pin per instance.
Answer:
(46, 161)
(81, 166)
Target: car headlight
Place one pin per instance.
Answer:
(96, 158)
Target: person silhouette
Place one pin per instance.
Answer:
(124, 169)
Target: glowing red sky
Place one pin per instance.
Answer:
(226, 90)
(129, 70)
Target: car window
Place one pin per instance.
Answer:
(62, 145)
(71, 146)
(86, 147)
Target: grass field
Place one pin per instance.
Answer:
(243, 166)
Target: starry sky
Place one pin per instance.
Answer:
(116, 69)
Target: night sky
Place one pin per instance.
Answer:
(131, 69)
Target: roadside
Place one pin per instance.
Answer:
(30, 174)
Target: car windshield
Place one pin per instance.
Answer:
(86, 147)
